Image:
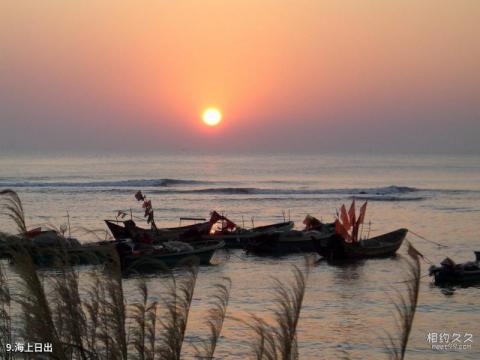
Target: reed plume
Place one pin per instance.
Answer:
(6, 331)
(92, 306)
(144, 332)
(177, 301)
(289, 301)
(279, 341)
(264, 346)
(116, 307)
(405, 308)
(216, 318)
(69, 317)
(11, 206)
(37, 316)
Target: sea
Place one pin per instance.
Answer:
(348, 309)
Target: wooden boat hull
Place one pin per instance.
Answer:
(183, 233)
(200, 255)
(111, 251)
(10, 243)
(51, 256)
(333, 247)
(237, 239)
(281, 243)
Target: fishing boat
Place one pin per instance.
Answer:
(345, 240)
(450, 273)
(133, 255)
(52, 249)
(129, 230)
(166, 255)
(335, 247)
(236, 236)
(280, 243)
(289, 241)
(95, 253)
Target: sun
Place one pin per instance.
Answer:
(212, 116)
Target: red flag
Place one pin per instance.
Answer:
(361, 217)
(230, 225)
(147, 204)
(351, 213)
(344, 218)
(360, 220)
(340, 230)
(215, 216)
(139, 196)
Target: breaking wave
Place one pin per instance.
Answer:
(390, 190)
(182, 186)
(136, 183)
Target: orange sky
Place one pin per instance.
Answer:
(281, 71)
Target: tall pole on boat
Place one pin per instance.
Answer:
(68, 223)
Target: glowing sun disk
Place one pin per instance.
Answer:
(212, 117)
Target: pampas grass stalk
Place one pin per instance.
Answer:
(6, 333)
(12, 207)
(264, 346)
(289, 301)
(116, 308)
(177, 301)
(216, 318)
(92, 307)
(405, 307)
(38, 324)
(144, 314)
(279, 340)
(71, 320)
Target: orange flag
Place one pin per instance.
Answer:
(361, 217)
(344, 218)
(139, 196)
(360, 220)
(340, 230)
(351, 212)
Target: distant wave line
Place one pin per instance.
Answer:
(181, 186)
(136, 183)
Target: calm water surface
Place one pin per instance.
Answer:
(346, 307)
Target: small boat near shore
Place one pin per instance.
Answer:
(129, 230)
(281, 243)
(289, 241)
(56, 250)
(236, 237)
(50, 249)
(345, 240)
(450, 273)
(166, 255)
(335, 247)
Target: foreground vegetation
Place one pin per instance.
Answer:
(96, 321)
